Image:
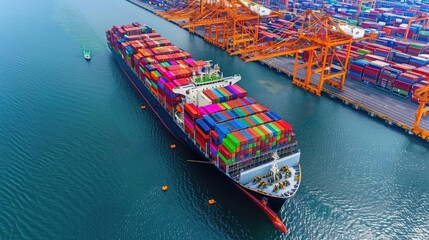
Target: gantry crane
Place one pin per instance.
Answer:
(422, 94)
(420, 17)
(229, 24)
(320, 36)
(192, 8)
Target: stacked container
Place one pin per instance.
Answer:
(415, 49)
(191, 114)
(418, 61)
(372, 71)
(223, 94)
(356, 69)
(404, 83)
(401, 46)
(236, 130)
(387, 78)
(398, 57)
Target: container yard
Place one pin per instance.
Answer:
(376, 55)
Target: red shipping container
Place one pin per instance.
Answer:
(263, 117)
(371, 57)
(214, 135)
(192, 110)
(247, 119)
(402, 85)
(356, 68)
(225, 152)
(371, 71)
(422, 71)
(286, 125)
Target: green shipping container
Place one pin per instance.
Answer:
(258, 120)
(226, 105)
(424, 33)
(226, 161)
(260, 133)
(154, 85)
(228, 145)
(275, 128)
(400, 91)
(363, 51)
(245, 123)
(416, 46)
(221, 91)
(240, 112)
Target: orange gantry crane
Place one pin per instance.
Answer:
(319, 36)
(192, 8)
(419, 18)
(229, 24)
(422, 94)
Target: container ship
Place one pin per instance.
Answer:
(213, 116)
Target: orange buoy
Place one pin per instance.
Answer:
(143, 107)
(211, 201)
(173, 146)
(164, 188)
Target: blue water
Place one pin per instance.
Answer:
(79, 159)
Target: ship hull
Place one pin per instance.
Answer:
(166, 119)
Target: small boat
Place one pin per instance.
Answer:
(87, 54)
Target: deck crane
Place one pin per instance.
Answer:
(422, 94)
(320, 36)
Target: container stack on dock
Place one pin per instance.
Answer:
(386, 52)
(356, 69)
(387, 78)
(390, 64)
(398, 78)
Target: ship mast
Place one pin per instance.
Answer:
(275, 168)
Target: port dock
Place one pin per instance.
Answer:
(393, 109)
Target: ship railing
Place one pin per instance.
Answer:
(198, 146)
(179, 118)
(219, 80)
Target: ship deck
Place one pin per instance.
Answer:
(285, 187)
